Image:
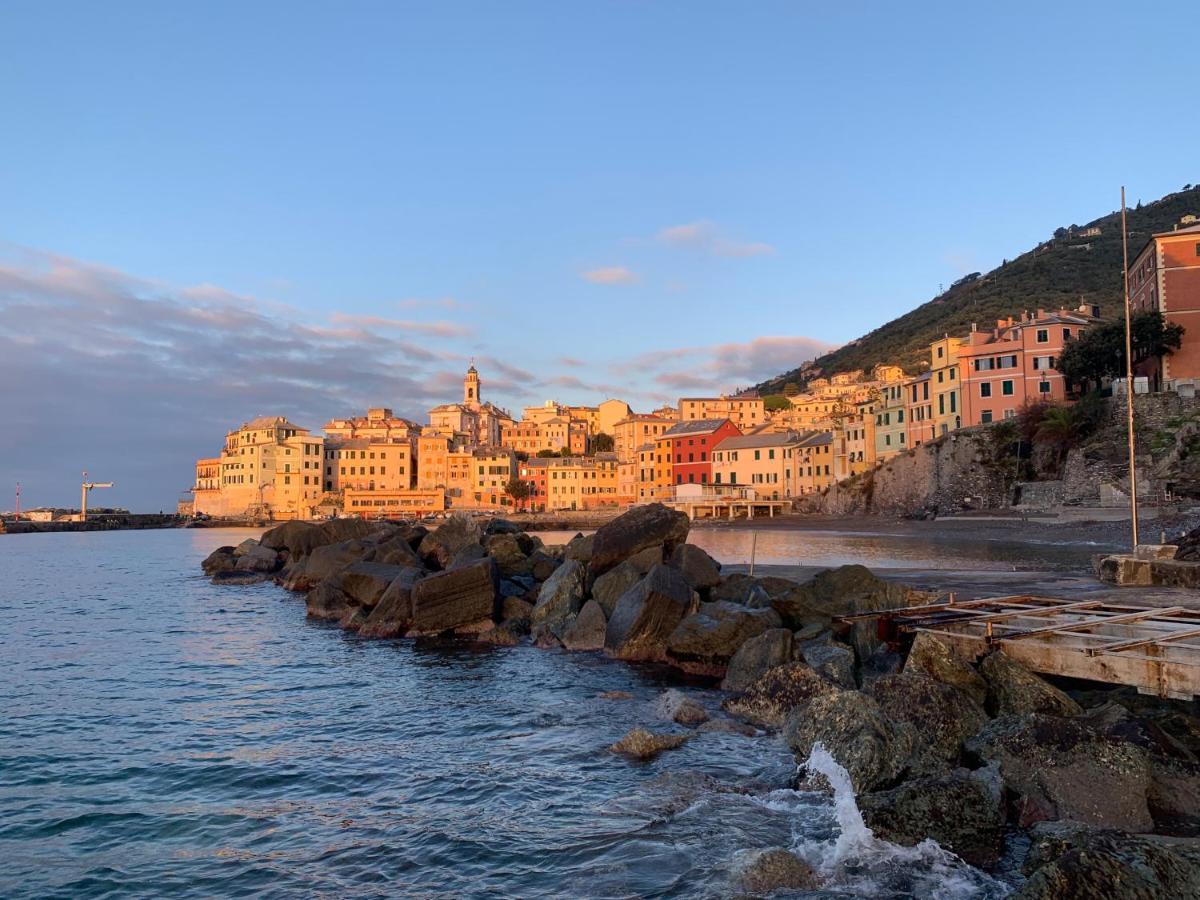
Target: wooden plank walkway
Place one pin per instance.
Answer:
(1156, 650)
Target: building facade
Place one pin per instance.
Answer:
(1165, 276)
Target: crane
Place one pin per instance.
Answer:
(83, 494)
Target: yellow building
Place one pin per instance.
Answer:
(943, 381)
(634, 431)
(609, 413)
(760, 464)
(379, 424)
(393, 504)
(269, 467)
(891, 431)
(746, 411)
(586, 482)
(365, 465)
(491, 470)
(814, 463)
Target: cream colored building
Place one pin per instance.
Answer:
(379, 424)
(474, 421)
(634, 431)
(746, 411)
(586, 482)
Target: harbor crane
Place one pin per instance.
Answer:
(89, 486)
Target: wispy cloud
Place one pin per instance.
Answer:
(705, 237)
(436, 329)
(610, 275)
(420, 303)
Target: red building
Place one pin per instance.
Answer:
(1165, 276)
(688, 447)
(533, 472)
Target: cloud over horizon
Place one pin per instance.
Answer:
(703, 236)
(610, 275)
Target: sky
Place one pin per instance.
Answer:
(214, 211)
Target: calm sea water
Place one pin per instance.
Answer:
(164, 737)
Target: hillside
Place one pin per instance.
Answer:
(1065, 271)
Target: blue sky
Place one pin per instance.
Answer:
(639, 199)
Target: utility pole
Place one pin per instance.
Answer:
(1133, 509)
(83, 494)
(18, 501)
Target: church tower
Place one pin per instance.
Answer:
(471, 388)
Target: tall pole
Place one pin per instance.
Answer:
(1133, 509)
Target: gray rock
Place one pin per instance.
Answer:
(586, 631)
(257, 558)
(704, 642)
(962, 813)
(929, 656)
(560, 598)
(543, 564)
(701, 570)
(510, 557)
(728, 726)
(642, 744)
(233, 577)
(943, 716)
(439, 547)
(635, 531)
(515, 608)
(832, 660)
(365, 582)
(398, 551)
(1063, 768)
(776, 869)
(326, 601)
(646, 615)
(779, 691)
(300, 539)
(220, 560)
(645, 560)
(1110, 864)
(466, 555)
(873, 749)
(680, 708)
(1013, 690)
(609, 587)
(758, 654)
(450, 599)
(392, 615)
(329, 559)
(580, 548)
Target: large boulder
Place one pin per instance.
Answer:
(448, 600)
(326, 601)
(701, 570)
(364, 583)
(1063, 768)
(439, 547)
(646, 615)
(872, 748)
(610, 586)
(776, 869)
(240, 577)
(299, 539)
(1013, 690)
(1113, 864)
(740, 587)
(580, 548)
(830, 659)
(506, 550)
(961, 810)
(543, 564)
(392, 615)
(930, 656)
(328, 560)
(642, 744)
(704, 642)
(257, 558)
(942, 715)
(586, 630)
(397, 550)
(840, 592)
(560, 598)
(779, 691)
(220, 560)
(640, 528)
(682, 709)
(755, 657)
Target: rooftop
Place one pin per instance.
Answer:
(696, 426)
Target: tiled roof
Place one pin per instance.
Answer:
(696, 426)
(762, 439)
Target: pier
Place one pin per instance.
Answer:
(718, 508)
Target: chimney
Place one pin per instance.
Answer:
(999, 323)
(1041, 314)
(974, 327)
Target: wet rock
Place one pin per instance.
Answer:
(364, 583)
(506, 550)
(632, 532)
(230, 577)
(963, 813)
(757, 655)
(579, 548)
(942, 715)
(646, 615)
(392, 615)
(777, 869)
(615, 695)
(704, 642)
(1062, 768)
(559, 599)
(832, 660)
(701, 570)
(439, 547)
(642, 744)
(507, 634)
(220, 560)
(728, 726)
(543, 564)
(328, 560)
(586, 631)
(515, 608)
(931, 657)
(881, 662)
(772, 698)
(257, 558)
(300, 539)
(1013, 690)
(839, 592)
(680, 708)
(1108, 864)
(872, 748)
(326, 601)
(446, 600)
(609, 587)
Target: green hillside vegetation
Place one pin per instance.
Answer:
(1065, 271)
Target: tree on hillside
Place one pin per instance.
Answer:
(547, 453)
(1099, 352)
(774, 402)
(791, 389)
(519, 490)
(602, 443)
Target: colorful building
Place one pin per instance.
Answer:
(943, 381)
(688, 447)
(1165, 276)
(891, 431)
(746, 411)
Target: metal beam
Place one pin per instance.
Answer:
(1120, 646)
(1092, 623)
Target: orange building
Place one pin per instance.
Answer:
(1165, 276)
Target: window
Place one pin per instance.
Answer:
(758, 454)
(941, 352)
(1006, 362)
(1043, 387)
(985, 416)
(1043, 336)
(1010, 414)
(953, 402)
(983, 365)
(941, 404)
(1198, 249)
(985, 390)
(1006, 387)
(1066, 334)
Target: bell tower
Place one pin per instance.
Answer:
(471, 387)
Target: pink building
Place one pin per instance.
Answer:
(1014, 363)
